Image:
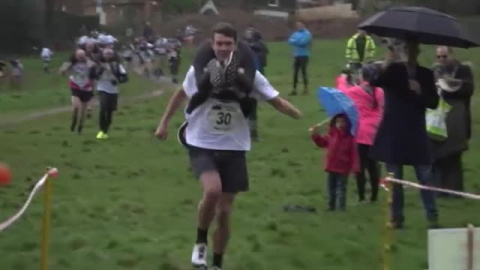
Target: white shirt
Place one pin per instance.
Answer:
(46, 53)
(104, 83)
(219, 125)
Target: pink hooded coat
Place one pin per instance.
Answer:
(369, 115)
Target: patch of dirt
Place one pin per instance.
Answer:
(271, 28)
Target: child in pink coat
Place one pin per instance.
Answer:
(369, 102)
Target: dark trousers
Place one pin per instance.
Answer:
(108, 104)
(300, 65)
(367, 164)
(448, 172)
(337, 191)
(424, 177)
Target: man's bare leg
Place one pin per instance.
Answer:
(222, 233)
(212, 192)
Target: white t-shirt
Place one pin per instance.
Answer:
(219, 125)
(104, 83)
(46, 54)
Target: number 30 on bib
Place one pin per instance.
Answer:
(222, 118)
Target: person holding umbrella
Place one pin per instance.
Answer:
(341, 158)
(409, 90)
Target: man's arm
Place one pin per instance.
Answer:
(285, 107)
(174, 103)
(267, 93)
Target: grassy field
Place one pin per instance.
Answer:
(40, 91)
(129, 202)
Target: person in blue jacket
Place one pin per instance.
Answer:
(301, 41)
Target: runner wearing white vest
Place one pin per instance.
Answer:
(217, 138)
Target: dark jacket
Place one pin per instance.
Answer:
(402, 137)
(459, 117)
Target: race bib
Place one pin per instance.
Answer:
(222, 118)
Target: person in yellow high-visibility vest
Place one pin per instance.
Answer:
(360, 48)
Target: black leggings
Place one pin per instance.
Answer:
(108, 104)
(370, 165)
(300, 64)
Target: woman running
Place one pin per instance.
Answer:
(92, 51)
(108, 73)
(81, 86)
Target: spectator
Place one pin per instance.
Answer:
(360, 48)
(402, 136)
(341, 159)
(369, 102)
(46, 55)
(455, 85)
(260, 51)
(301, 41)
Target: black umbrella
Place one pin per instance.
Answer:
(425, 25)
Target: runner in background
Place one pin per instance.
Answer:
(81, 86)
(108, 73)
(46, 56)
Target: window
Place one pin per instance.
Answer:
(273, 3)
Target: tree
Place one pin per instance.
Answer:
(15, 22)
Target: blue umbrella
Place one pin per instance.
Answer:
(336, 102)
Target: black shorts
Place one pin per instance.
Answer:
(108, 101)
(84, 96)
(231, 165)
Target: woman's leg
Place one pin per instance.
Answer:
(112, 106)
(108, 119)
(76, 106)
(102, 119)
(82, 113)
(108, 106)
(363, 154)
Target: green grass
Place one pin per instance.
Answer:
(129, 202)
(42, 91)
